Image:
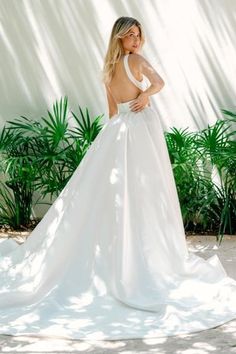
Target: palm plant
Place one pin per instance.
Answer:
(20, 171)
(86, 131)
(205, 204)
(185, 159)
(43, 155)
(62, 149)
(9, 208)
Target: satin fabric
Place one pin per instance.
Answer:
(109, 260)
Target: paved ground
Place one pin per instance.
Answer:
(221, 339)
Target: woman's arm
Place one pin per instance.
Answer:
(112, 105)
(157, 83)
(155, 79)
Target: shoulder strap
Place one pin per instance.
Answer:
(130, 75)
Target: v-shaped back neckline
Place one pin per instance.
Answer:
(137, 83)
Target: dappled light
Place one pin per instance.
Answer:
(208, 342)
(43, 60)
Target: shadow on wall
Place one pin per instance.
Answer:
(51, 49)
(44, 49)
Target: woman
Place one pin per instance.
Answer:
(127, 37)
(109, 259)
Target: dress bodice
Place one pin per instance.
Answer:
(142, 85)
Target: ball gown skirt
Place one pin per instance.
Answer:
(109, 260)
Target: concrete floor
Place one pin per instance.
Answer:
(221, 339)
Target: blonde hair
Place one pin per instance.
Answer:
(115, 49)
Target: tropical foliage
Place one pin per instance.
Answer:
(204, 166)
(42, 156)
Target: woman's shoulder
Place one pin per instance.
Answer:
(135, 57)
(137, 61)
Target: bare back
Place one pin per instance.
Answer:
(122, 89)
(129, 81)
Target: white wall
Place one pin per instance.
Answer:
(52, 48)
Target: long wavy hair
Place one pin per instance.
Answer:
(115, 49)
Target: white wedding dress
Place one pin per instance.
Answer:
(109, 260)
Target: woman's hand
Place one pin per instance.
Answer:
(139, 103)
